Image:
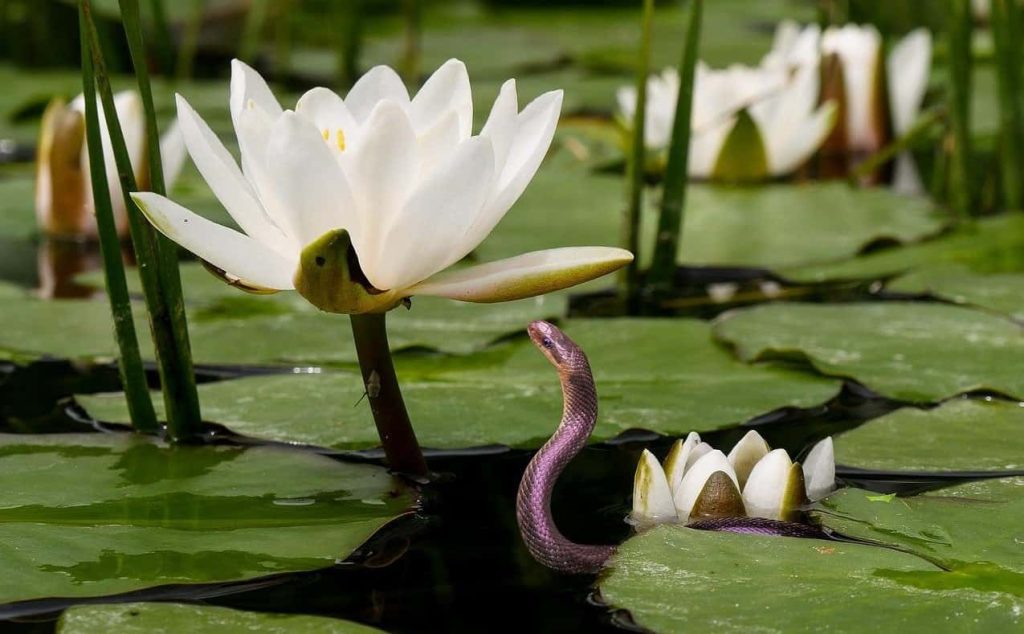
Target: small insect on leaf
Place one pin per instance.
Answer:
(886, 498)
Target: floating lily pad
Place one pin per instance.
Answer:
(990, 245)
(974, 530)
(675, 579)
(1001, 292)
(150, 618)
(95, 514)
(660, 375)
(912, 351)
(959, 435)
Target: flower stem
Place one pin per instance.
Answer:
(1006, 31)
(673, 199)
(636, 168)
(401, 448)
(133, 374)
(158, 266)
(961, 184)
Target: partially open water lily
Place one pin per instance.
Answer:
(880, 96)
(358, 203)
(748, 123)
(64, 203)
(697, 481)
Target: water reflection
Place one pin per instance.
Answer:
(61, 263)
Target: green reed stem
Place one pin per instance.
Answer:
(636, 171)
(190, 40)
(1006, 31)
(673, 201)
(349, 16)
(920, 130)
(397, 436)
(158, 257)
(253, 30)
(959, 82)
(133, 374)
(413, 14)
(163, 43)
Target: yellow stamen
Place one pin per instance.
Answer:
(341, 140)
(327, 134)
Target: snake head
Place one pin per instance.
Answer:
(555, 344)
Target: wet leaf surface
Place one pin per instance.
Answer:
(147, 618)
(999, 292)
(675, 579)
(659, 375)
(959, 435)
(917, 352)
(86, 515)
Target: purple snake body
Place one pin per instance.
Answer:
(579, 415)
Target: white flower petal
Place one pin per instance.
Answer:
(858, 49)
(535, 129)
(677, 458)
(502, 124)
(438, 144)
(805, 140)
(696, 476)
(310, 183)
(172, 153)
(381, 173)
(769, 488)
(820, 470)
(330, 115)
(525, 275)
(906, 180)
(446, 90)
(698, 452)
(747, 452)
(380, 83)
(652, 499)
(907, 68)
(222, 175)
(128, 106)
(419, 241)
(249, 89)
(226, 249)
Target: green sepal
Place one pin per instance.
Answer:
(743, 157)
(330, 278)
(718, 498)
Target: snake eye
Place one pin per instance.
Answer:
(547, 342)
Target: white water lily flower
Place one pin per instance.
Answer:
(747, 123)
(754, 481)
(360, 202)
(64, 202)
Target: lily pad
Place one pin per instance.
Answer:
(149, 618)
(973, 530)
(1001, 292)
(989, 245)
(665, 376)
(131, 513)
(675, 579)
(911, 351)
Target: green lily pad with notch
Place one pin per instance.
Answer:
(665, 376)
(676, 579)
(910, 351)
(999, 292)
(974, 530)
(958, 435)
(150, 618)
(988, 245)
(86, 515)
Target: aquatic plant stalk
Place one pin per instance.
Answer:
(350, 45)
(413, 11)
(190, 40)
(1006, 31)
(133, 374)
(158, 266)
(163, 43)
(673, 201)
(959, 85)
(397, 436)
(920, 130)
(636, 167)
(253, 29)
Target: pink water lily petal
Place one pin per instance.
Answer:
(525, 275)
(227, 249)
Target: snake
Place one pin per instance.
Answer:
(579, 415)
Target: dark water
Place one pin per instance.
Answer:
(459, 565)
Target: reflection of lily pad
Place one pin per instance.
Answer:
(674, 579)
(660, 375)
(990, 245)
(146, 618)
(976, 530)
(959, 435)
(1003, 292)
(910, 351)
(95, 514)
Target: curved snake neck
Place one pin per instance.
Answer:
(579, 415)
